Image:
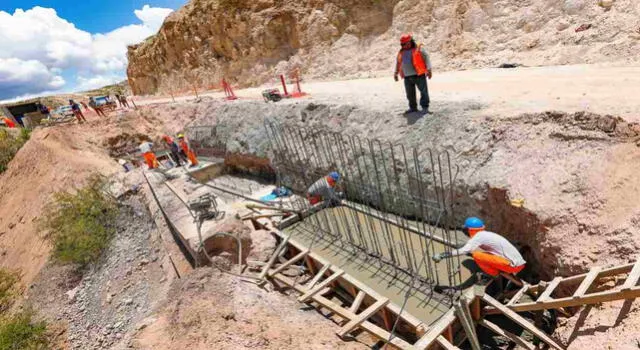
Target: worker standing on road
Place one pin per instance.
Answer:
(175, 150)
(493, 253)
(324, 189)
(149, 156)
(76, 111)
(414, 66)
(187, 151)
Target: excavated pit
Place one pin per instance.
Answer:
(390, 281)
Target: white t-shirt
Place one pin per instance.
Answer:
(145, 147)
(492, 243)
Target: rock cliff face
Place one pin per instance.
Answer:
(250, 42)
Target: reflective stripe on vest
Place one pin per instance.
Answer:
(418, 62)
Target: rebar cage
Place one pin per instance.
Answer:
(396, 204)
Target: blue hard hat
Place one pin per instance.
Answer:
(473, 222)
(334, 175)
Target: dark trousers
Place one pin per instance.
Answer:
(410, 84)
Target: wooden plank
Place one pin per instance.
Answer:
(394, 308)
(467, 324)
(289, 262)
(346, 314)
(587, 282)
(610, 271)
(592, 298)
(435, 331)
(357, 302)
(634, 276)
(522, 322)
(519, 294)
(273, 257)
(363, 316)
(546, 295)
(442, 341)
(516, 339)
(318, 275)
(318, 287)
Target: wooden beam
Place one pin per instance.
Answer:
(346, 314)
(592, 298)
(499, 331)
(587, 282)
(632, 279)
(546, 295)
(363, 316)
(289, 262)
(357, 302)
(273, 258)
(522, 322)
(442, 341)
(386, 318)
(435, 331)
(465, 319)
(519, 294)
(394, 308)
(318, 287)
(318, 276)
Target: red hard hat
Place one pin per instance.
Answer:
(405, 38)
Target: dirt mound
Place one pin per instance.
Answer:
(210, 309)
(201, 43)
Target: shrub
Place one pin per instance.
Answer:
(8, 288)
(80, 224)
(20, 331)
(10, 144)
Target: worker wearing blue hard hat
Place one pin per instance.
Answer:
(493, 253)
(324, 189)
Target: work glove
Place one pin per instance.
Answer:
(429, 74)
(438, 257)
(395, 77)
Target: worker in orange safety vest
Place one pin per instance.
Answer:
(149, 156)
(187, 151)
(414, 66)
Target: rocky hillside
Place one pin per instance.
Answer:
(249, 42)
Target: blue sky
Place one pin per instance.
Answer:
(59, 46)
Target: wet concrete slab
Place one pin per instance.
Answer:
(423, 301)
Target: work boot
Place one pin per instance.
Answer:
(411, 110)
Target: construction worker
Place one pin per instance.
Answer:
(187, 151)
(77, 112)
(493, 253)
(175, 150)
(149, 156)
(324, 189)
(414, 67)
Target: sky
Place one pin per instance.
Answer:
(56, 46)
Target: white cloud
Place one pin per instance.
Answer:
(18, 77)
(97, 81)
(41, 44)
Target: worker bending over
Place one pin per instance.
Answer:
(493, 253)
(149, 156)
(414, 67)
(324, 189)
(77, 111)
(187, 151)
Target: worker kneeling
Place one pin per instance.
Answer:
(493, 253)
(324, 189)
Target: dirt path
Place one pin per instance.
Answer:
(497, 92)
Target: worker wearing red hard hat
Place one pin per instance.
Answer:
(414, 67)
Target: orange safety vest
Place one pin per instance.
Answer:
(418, 62)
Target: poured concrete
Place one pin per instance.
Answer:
(423, 302)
